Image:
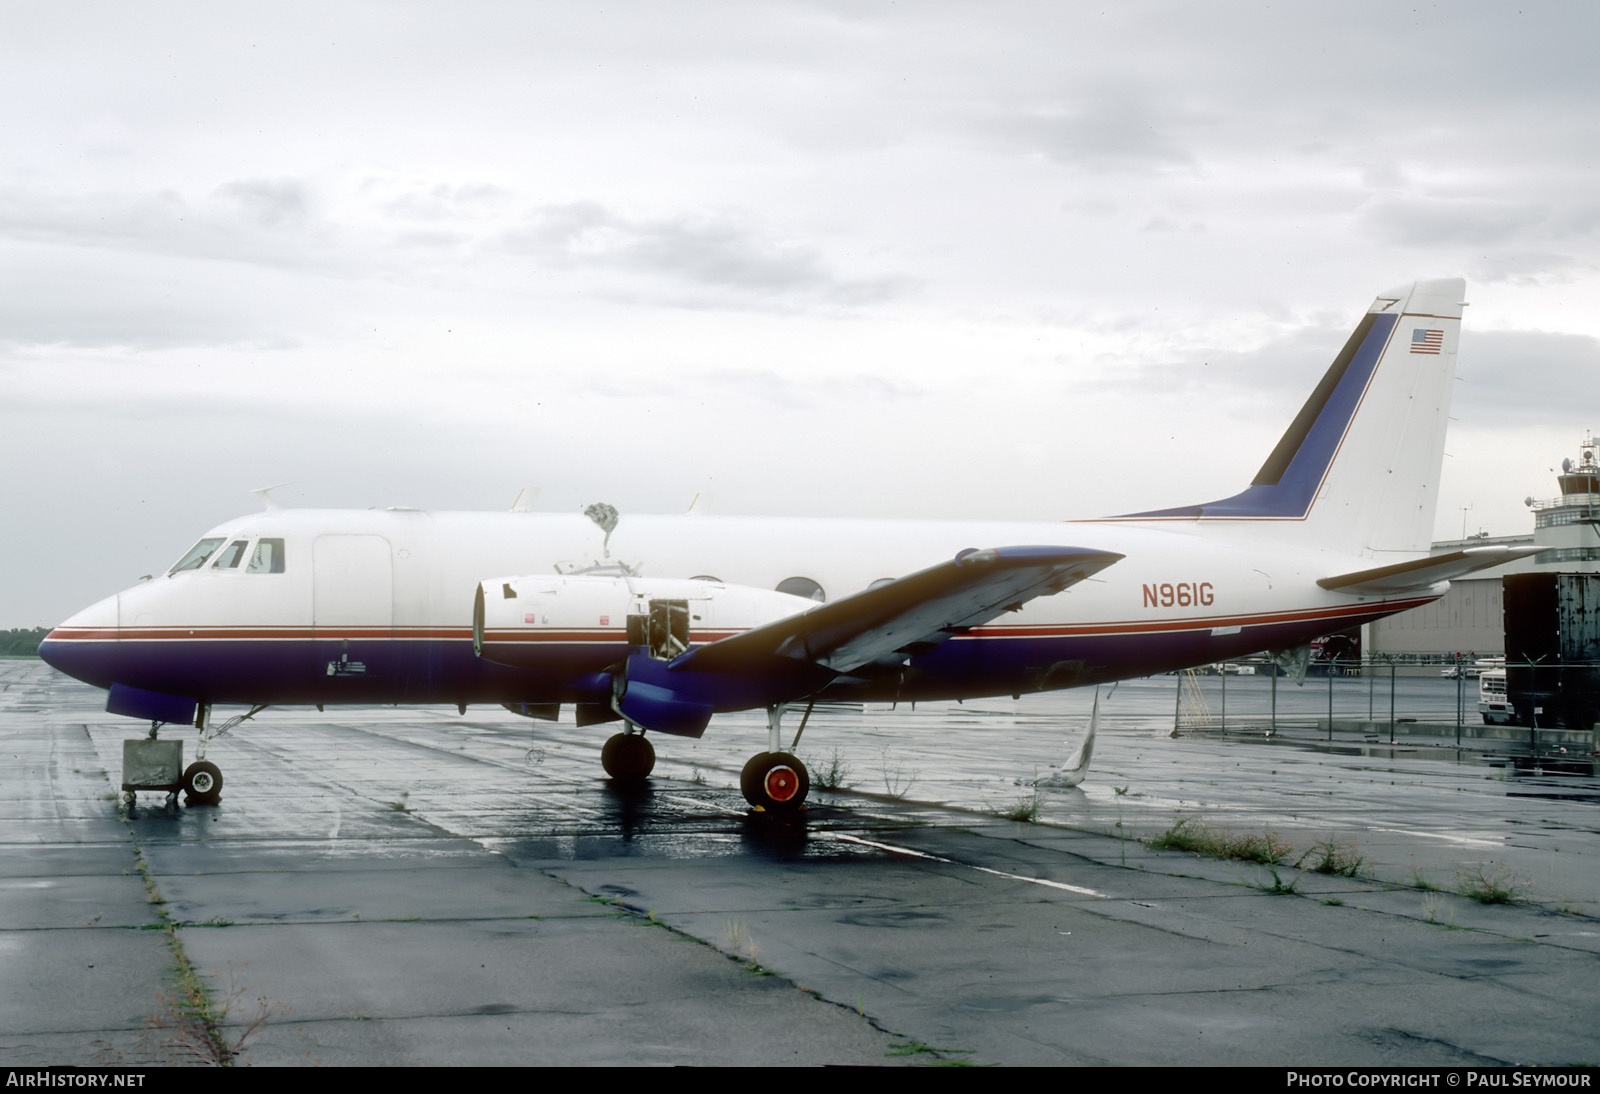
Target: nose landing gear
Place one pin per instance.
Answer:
(202, 783)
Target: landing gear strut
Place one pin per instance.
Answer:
(202, 780)
(775, 781)
(628, 758)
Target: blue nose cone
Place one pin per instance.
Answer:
(93, 662)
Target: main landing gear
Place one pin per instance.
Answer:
(775, 781)
(628, 758)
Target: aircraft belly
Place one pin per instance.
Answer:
(337, 671)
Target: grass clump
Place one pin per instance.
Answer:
(1491, 884)
(1330, 857)
(831, 773)
(1279, 887)
(1419, 880)
(917, 1048)
(1187, 835)
(1025, 808)
(1265, 848)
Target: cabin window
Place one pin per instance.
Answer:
(230, 555)
(268, 557)
(802, 586)
(197, 555)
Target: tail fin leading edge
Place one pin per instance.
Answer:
(1358, 468)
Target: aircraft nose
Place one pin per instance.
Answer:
(84, 646)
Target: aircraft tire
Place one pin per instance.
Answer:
(775, 782)
(628, 758)
(750, 778)
(202, 783)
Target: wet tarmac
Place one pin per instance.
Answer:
(399, 886)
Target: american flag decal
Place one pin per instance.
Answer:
(1427, 341)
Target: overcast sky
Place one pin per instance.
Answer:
(917, 259)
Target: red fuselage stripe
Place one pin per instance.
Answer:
(612, 635)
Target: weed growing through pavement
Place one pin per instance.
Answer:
(1266, 848)
(917, 1048)
(1025, 808)
(1330, 857)
(1489, 884)
(737, 944)
(897, 781)
(830, 773)
(190, 1020)
(1278, 886)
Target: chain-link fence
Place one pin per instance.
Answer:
(1460, 697)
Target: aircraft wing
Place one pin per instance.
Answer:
(905, 616)
(1414, 576)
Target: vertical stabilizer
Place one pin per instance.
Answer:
(1358, 468)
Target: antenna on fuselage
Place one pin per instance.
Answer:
(525, 499)
(267, 499)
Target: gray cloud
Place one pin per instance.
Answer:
(693, 250)
(269, 202)
(443, 201)
(1113, 129)
(1439, 221)
(777, 389)
(1289, 363)
(255, 222)
(1520, 241)
(1510, 376)
(1528, 267)
(1525, 377)
(49, 295)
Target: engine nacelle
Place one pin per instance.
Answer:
(515, 619)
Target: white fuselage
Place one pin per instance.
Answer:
(391, 592)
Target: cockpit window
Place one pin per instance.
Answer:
(268, 557)
(197, 555)
(230, 555)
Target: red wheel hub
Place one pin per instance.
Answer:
(782, 784)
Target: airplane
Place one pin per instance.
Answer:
(662, 622)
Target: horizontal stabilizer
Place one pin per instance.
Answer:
(906, 615)
(1414, 576)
